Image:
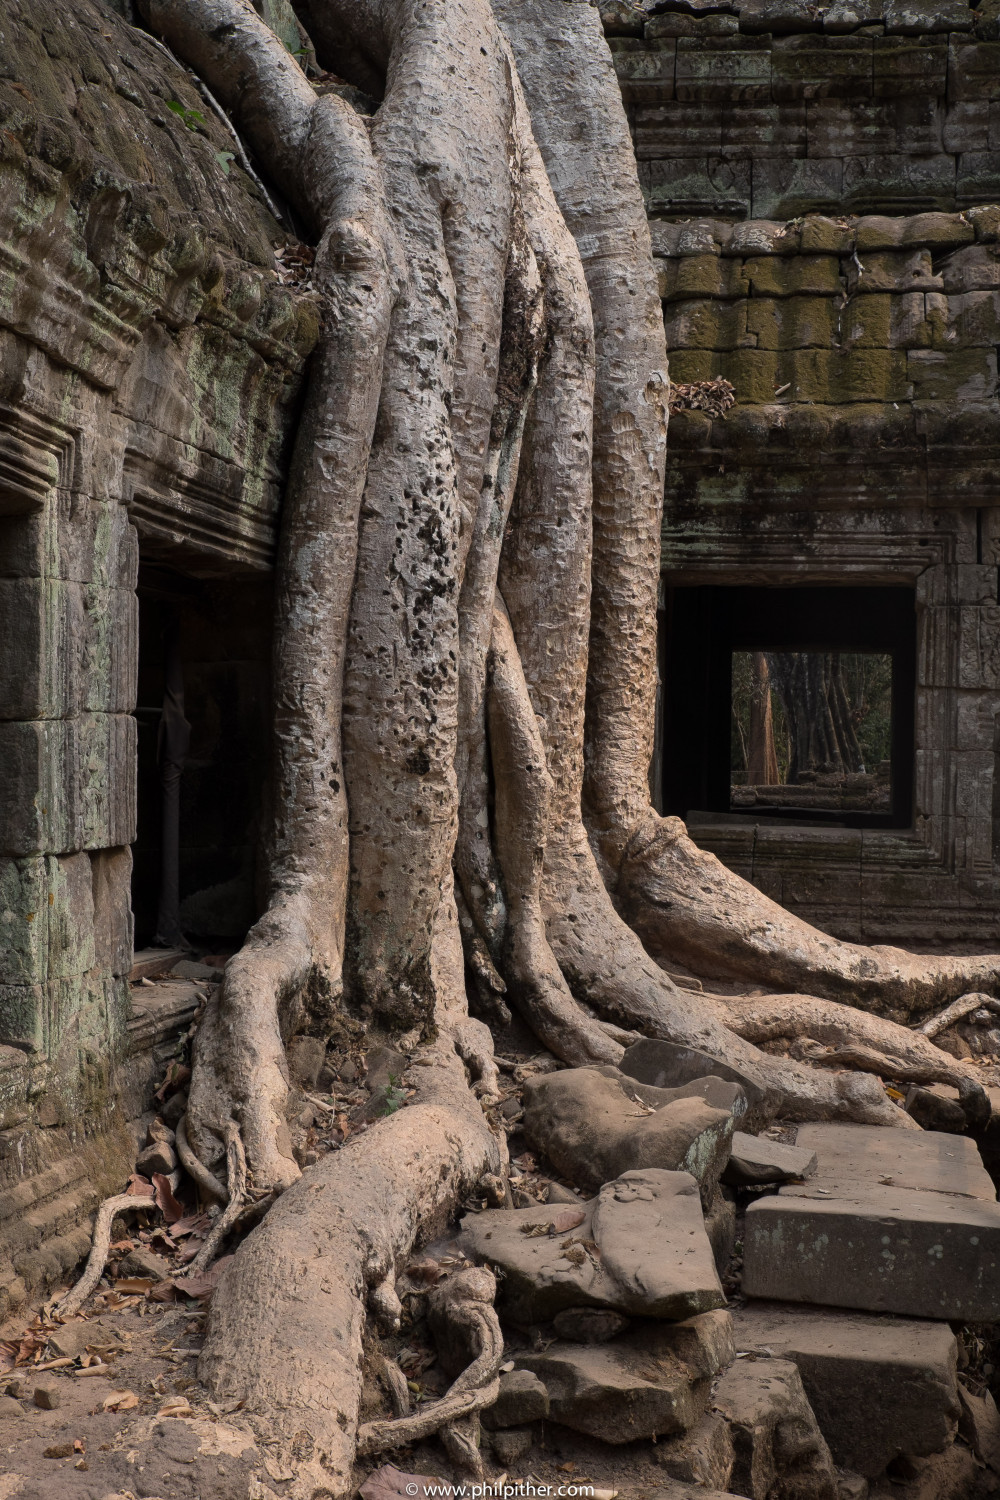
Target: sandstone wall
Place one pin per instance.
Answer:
(150, 366)
(822, 185)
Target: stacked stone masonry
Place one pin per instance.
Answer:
(151, 367)
(822, 184)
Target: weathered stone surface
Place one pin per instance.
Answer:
(160, 1157)
(634, 1387)
(880, 1388)
(755, 1160)
(665, 1065)
(511, 1443)
(702, 1456)
(851, 1156)
(652, 1253)
(890, 1249)
(589, 1325)
(523, 1398)
(592, 1128)
(778, 1447)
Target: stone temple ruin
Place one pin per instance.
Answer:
(823, 187)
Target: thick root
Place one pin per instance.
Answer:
(286, 1323)
(122, 1203)
(466, 1301)
(686, 906)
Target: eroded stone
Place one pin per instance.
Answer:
(640, 1247)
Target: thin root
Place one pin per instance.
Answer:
(100, 1245)
(206, 1180)
(236, 1163)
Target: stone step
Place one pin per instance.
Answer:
(891, 1221)
(880, 1155)
(881, 1387)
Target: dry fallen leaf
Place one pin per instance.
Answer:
(165, 1201)
(177, 1406)
(140, 1284)
(390, 1483)
(567, 1219)
(120, 1401)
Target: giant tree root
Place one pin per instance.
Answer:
(687, 906)
(286, 1323)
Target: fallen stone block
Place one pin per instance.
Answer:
(849, 1156)
(667, 1065)
(639, 1247)
(778, 1448)
(511, 1444)
(755, 1160)
(880, 1387)
(522, 1399)
(887, 1249)
(702, 1456)
(637, 1386)
(592, 1127)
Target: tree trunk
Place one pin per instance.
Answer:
(810, 685)
(762, 759)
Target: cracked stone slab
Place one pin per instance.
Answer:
(755, 1160)
(639, 1247)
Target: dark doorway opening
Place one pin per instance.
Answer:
(790, 703)
(204, 654)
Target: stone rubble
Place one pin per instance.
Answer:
(836, 1368)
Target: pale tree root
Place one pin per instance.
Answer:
(466, 1302)
(237, 1176)
(963, 1006)
(207, 1183)
(286, 1321)
(688, 907)
(122, 1203)
(291, 964)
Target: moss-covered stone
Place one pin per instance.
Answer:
(792, 322)
(773, 276)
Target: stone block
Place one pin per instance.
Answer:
(866, 322)
(832, 376)
(698, 186)
(790, 188)
(522, 1399)
(975, 720)
(702, 1457)
(978, 177)
(974, 71)
(67, 784)
(793, 276)
(645, 69)
(723, 70)
(953, 375)
(590, 1125)
(665, 1065)
(967, 126)
(652, 1255)
(675, 129)
(881, 1387)
(792, 322)
(849, 1156)
(819, 67)
(975, 269)
(979, 648)
(920, 18)
(837, 128)
(632, 1388)
(894, 271)
(971, 319)
(111, 872)
(885, 1249)
(705, 324)
(908, 66)
(822, 236)
(845, 16)
(900, 182)
(777, 1444)
(700, 276)
(763, 130)
(755, 1160)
